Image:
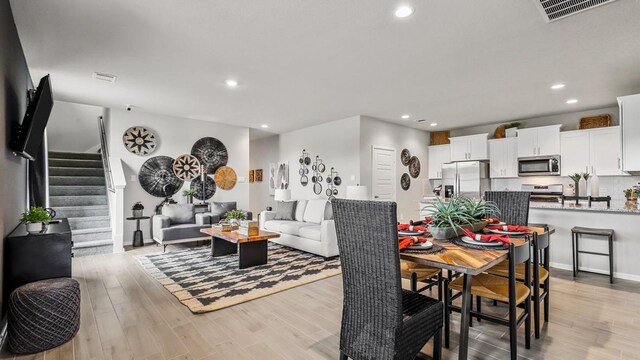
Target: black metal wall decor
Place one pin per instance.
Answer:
(414, 167)
(405, 157)
(186, 167)
(156, 177)
(211, 153)
(209, 188)
(139, 140)
(333, 181)
(318, 168)
(405, 181)
(304, 161)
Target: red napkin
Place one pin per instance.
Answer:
(511, 228)
(428, 220)
(492, 220)
(487, 238)
(406, 241)
(407, 227)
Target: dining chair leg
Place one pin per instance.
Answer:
(447, 313)
(465, 316)
(414, 282)
(611, 259)
(513, 331)
(527, 324)
(573, 252)
(437, 345)
(546, 301)
(440, 286)
(495, 302)
(471, 308)
(478, 306)
(536, 306)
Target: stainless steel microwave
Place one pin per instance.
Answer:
(539, 166)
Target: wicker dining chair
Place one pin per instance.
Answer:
(380, 320)
(513, 205)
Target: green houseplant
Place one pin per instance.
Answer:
(35, 219)
(234, 216)
(448, 219)
(189, 194)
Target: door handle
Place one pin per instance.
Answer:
(619, 166)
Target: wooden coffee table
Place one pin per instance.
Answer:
(252, 250)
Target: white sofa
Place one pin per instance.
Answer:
(313, 229)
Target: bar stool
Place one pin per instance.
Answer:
(576, 234)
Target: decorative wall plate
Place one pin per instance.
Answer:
(209, 188)
(304, 180)
(186, 167)
(405, 157)
(317, 188)
(414, 167)
(211, 152)
(225, 178)
(139, 140)
(250, 176)
(259, 175)
(157, 178)
(405, 181)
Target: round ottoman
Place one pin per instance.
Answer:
(43, 315)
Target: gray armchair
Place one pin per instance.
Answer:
(178, 223)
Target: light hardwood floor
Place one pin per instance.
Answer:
(127, 315)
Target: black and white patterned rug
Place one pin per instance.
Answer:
(204, 284)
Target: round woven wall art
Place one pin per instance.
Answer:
(414, 167)
(225, 178)
(405, 157)
(405, 181)
(186, 167)
(157, 178)
(139, 140)
(211, 152)
(209, 188)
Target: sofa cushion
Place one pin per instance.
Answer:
(310, 232)
(221, 209)
(328, 211)
(302, 204)
(179, 213)
(285, 210)
(179, 232)
(314, 213)
(293, 227)
(274, 225)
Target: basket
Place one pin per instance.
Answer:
(500, 132)
(596, 121)
(439, 138)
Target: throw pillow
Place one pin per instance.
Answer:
(328, 211)
(314, 213)
(285, 210)
(221, 209)
(302, 204)
(179, 213)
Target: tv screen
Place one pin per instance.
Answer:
(28, 139)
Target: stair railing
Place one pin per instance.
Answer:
(105, 156)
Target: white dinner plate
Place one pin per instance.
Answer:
(421, 246)
(471, 241)
(410, 233)
(501, 232)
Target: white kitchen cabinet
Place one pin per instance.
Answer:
(438, 155)
(630, 122)
(540, 141)
(471, 147)
(593, 151)
(503, 158)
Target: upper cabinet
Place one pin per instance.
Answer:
(438, 155)
(630, 122)
(503, 158)
(472, 147)
(595, 151)
(540, 141)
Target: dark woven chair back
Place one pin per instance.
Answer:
(368, 245)
(513, 205)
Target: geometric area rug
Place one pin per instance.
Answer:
(204, 284)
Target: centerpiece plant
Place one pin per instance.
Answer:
(449, 218)
(234, 216)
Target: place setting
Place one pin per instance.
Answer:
(415, 239)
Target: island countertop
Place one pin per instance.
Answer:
(621, 207)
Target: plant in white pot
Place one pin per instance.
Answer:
(137, 210)
(36, 219)
(234, 217)
(448, 219)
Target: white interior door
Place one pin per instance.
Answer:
(383, 173)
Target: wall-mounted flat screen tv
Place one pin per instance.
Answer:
(27, 140)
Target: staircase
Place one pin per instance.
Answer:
(77, 191)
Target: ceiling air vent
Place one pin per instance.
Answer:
(553, 10)
(104, 77)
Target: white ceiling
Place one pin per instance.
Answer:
(301, 63)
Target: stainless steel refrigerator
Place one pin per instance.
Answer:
(468, 178)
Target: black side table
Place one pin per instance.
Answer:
(138, 238)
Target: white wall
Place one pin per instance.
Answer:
(175, 137)
(73, 127)
(376, 132)
(262, 152)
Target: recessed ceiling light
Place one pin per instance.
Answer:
(405, 116)
(404, 11)
(434, 124)
(104, 77)
(420, 120)
(231, 83)
(264, 126)
(557, 86)
(572, 101)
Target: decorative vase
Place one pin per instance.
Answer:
(189, 199)
(234, 222)
(594, 185)
(34, 228)
(137, 213)
(582, 187)
(445, 233)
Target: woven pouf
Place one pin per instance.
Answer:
(43, 315)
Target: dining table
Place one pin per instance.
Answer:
(468, 262)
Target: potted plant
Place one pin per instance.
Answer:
(234, 217)
(576, 183)
(189, 194)
(511, 130)
(35, 219)
(448, 219)
(137, 209)
(636, 192)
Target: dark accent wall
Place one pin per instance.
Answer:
(15, 79)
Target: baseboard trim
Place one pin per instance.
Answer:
(616, 275)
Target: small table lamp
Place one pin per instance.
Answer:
(282, 195)
(357, 192)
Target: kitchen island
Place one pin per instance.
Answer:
(622, 217)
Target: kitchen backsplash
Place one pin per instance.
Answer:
(609, 185)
